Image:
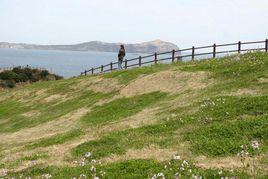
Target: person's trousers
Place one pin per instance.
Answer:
(120, 62)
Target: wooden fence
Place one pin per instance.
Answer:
(188, 53)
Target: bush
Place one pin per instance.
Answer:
(9, 75)
(44, 73)
(8, 79)
(10, 84)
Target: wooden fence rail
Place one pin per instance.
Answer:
(181, 54)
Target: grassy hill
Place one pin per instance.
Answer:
(188, 119)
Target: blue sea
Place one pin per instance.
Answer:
(64, 63)
(71, 63)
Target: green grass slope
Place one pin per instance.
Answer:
(204, 119)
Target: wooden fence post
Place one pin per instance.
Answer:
(239, 46)
(125, 63)
(85, 72)
(139, 60)
(111, 66)
(101, 68)
(193, 50)
(173, 56)
(155, 58)
(214, 50)
(266, 45)
(92, 71)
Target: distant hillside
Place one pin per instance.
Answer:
(145, 47)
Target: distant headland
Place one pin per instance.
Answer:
(98, 46)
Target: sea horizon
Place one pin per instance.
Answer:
(61, 62)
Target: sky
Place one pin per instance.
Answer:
(183, 22)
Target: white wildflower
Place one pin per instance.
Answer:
(190, 170)
(93, 169)
(176, 175)
(4, 172)
(93, 162)
(165, 166)
(185, 162)
(220, 172)
(255, 144)
(177, 157)
(88, 154)
(154, 177)
(102, 173)
(83, 163)
(46, 176)
(82, 176)
(161, 175)
(243, 154)
(95, 177)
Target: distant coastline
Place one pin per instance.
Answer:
(98, 46)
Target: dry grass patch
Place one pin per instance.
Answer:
(224, 162)
(263, 80)
(60, 154)
(99, 84)
(31, 114)
(63, 124)
(29, 97)
(106, 101)
(55, 97)
(145, 117)
(246, 91)
(167, 81)
(231, 163)
(151, 152)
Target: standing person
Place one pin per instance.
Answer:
(121, 55)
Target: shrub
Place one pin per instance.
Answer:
(27, 74)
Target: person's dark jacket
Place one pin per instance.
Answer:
(121, 54)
